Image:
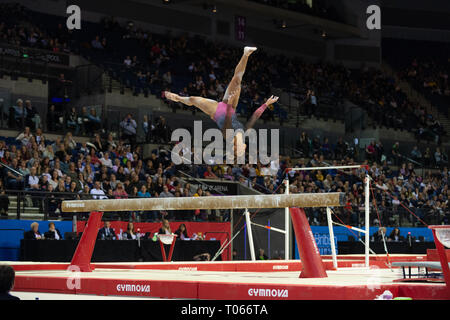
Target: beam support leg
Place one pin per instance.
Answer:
(313, 266)
(83, 253)
(172, 246)
(163, 251)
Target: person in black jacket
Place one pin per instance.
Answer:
(165, 228)
(182, 232)
(7, 276)
(34, 233)
(32, 119)
(52, 232)
(72, 121)
(395, 235)
(378, 236)
(107, 233)
(130, 234)
(53, 123)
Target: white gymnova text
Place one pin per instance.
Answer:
(276, 293)
(133, 288)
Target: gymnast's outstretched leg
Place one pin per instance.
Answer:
(235, 83)
(208, 106)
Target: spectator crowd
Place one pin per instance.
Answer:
(105, 167)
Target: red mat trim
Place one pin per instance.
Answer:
(432, 254)
(40, 266)
(220, 267)
(238, 266)
(224, 291)
(257, 266)
(380, 257)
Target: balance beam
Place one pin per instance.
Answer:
(302, 200)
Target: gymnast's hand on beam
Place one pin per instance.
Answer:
(271, 100)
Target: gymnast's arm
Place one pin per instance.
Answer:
(257, 114)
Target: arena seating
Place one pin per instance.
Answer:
(153, 55)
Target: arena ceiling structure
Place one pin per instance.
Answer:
(290, 21)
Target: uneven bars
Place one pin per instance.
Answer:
(269, 228)
(350, 227)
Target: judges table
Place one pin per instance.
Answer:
(115, 250)
(356, 247)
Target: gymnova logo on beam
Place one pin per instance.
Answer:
(276, 293)
(75, 205)
(133, 288)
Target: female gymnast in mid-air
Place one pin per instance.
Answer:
(224, 112)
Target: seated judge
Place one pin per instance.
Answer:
(107, 233)
(380, 234)
(182, 232)
(130, 234)
(396, 236)
(165, 229)
(34, 233)
(52, 232)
